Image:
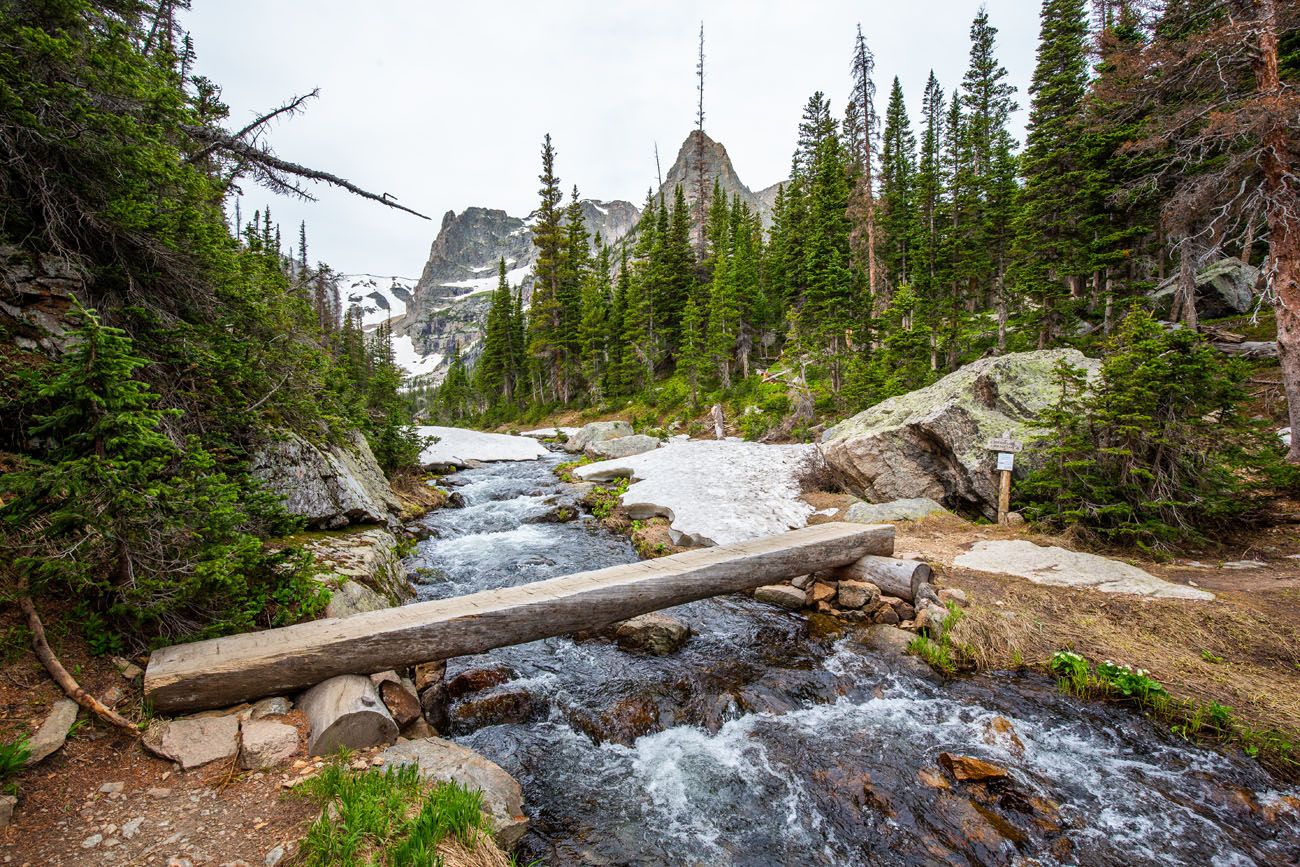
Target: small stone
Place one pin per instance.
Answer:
(401, 702)
(112, 696)
(132, 827)
(970, 769)
(111, 842)
(194, 741)
(954, 595)
(274, 856)
(112, 788)
(1000, 732)
(7, 804)
(159, 792)
(803, 582)
(857, 594)
(429, 673)
(782, 595)
(274, 706)
(53, 731)
(266, 744)
(821, 592)
(176, 861)
(92, 841)
(240, 863)
(652, 633)
(128, 669)
(932, 778)
(1015, 519)
(886, 616)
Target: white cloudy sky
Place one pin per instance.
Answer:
(444, 104)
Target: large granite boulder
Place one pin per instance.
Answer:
(362, 567)
(1225, 288)
(621, 447)
(931, 442)
(441, 760)
(912, 509)
(597, 432)
(330, 487)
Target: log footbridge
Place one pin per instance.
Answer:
(223, 671)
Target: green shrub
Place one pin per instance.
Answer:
(148, 537)
(13, 758)
(1155, 453)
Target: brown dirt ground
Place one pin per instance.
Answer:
(210, 815)
(1242, 649)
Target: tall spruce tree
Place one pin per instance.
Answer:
(898, 212)
(1051, 249)
(546, 319)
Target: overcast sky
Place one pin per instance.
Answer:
(444, 104)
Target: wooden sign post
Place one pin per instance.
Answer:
(1007, 447)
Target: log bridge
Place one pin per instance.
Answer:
(224, 671)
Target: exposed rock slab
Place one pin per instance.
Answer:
(713, 492)
(363, 570)
(194, 741)
(621, 447)
(911, 509)
(459, 446)
(53, 731)
(597, 432)
(330, 487)
(443, 760)
(1224, 288)
(931, 442)
(1063, 568)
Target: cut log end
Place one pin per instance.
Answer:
(894, 577)
(346, 711)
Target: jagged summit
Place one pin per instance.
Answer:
(717, 164)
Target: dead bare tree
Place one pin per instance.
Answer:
(1226, 126)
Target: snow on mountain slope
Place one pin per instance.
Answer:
(380, 298)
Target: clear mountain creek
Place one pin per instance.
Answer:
(764, 742)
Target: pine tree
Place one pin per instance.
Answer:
(546, 319)
(690, 360)
(594, 329)
(930, 190)
(1051, 251)
(494, 373)
(864, 193)
(897, 220)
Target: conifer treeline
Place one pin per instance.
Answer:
(894, 256)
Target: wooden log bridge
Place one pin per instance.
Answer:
(223, 671)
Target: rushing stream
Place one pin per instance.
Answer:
(760, 743)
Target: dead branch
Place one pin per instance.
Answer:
(291, 107)
(61, 676)
(275, 168)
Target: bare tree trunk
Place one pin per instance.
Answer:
(1283, 196)
(1184, 306)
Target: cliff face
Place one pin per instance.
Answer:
(447, 307)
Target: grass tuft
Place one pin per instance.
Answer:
(391, 818)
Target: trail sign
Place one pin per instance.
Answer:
(1005, 443)
(1006, 461)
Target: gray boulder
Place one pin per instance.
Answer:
(621, 447)
(266, 744)
(931, 442)
(913, 509)
(331, 488)
(597, 432)
(443, 760)
(1225, 288)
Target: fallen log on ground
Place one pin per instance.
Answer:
(223, 671)
(894, 577)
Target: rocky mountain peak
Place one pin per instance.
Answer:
(717, 164)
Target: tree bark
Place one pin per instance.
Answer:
(1282, 190)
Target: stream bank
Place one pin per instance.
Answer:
(766, 740)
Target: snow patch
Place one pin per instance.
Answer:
(411, 360)
(714, 492)
(458, 445)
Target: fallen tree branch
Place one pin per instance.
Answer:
(271, 166)
(61, 676)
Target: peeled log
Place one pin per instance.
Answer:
(894, 577)
(346, 711)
